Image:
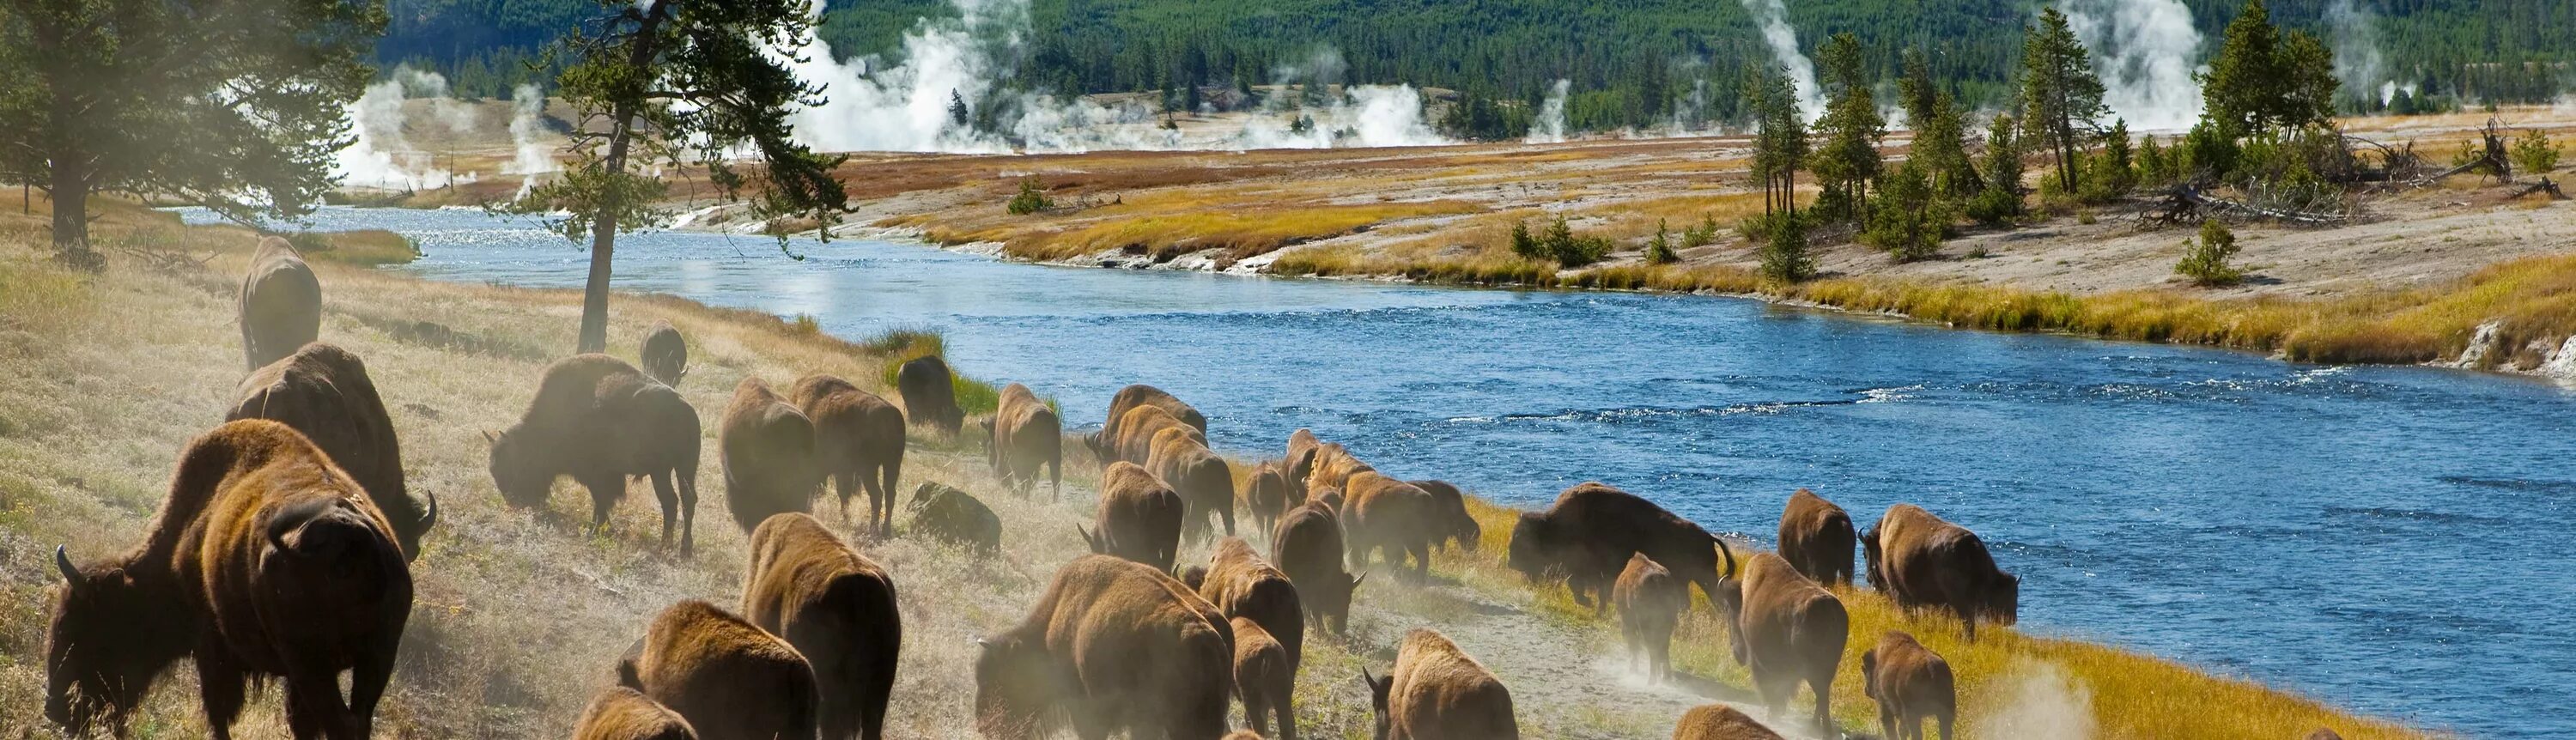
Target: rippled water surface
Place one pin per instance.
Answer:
(2392, 539)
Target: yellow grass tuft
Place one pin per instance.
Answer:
(1242, 232)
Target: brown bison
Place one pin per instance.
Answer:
(281, 303)
(664, 355)
(1333, 467)
(1241, 584)
(837, 608)
(599, 420)
(622, 713)
(858, 442)
(1204, 480)
(1139, 518)
(1265, 677)
(324, 392)
(730, 678)
(767, 448)
(2322, 733)
(1449, 517)
(1389, 517)
(1588, 534)
(265, 560)
(930, 394)
(1134, 440)
(1651, 602)
(949, 514)
(1436, 692)
(1816, 537)
(1910, 683)
(1266, 495)
(1021, 435)
(1300, 462)
(1307, 547)
(1113, 645)
(1922, 562)
(1720, 722)
(1137, 396)
(1788, 630)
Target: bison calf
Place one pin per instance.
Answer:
(728, 677)
(1816, 537)
(1720, 722)
(1241, 584)
(949, 514)
(1910, 684)
(664, 355)
(324, 392)
(1022, 435)
(1923, 562)
(929, 394)
(599, 420)
(1139, 518)
(1308, 548)
(858, 443)
(1266, 495)
(622, 713)
(1265, 677)
(1389, 517)
(767, 448)
(837, 608)
(1114, 646)
(1788, 630)
(281, 303)
(1436, 692)
(1651, 602)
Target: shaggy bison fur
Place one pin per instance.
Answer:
(1204, 480)
(837, 608)
(1651, 602)
(599, 420)
(323, 391)
(1265, 678)
(281, 303)
(1910, 684)
(1307, 547)
(929, 394)
(1720, 722)
(1922, 562)
(1136, 396)
(1114, 646)
(622, 713)
(731, 679)
(1241, 584)
(1788, 631)
(1587, 535)
(1449, 517)
(1388, 517)
(1134, 439)
(1436, 692)
(1816, 537)
(858, 443)
(949, 514)
(1267, 494)
(1139, 518)
(1022, 435)
(664, 355)
(767, 447)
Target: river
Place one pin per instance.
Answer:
(2385, 538)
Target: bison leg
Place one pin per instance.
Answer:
(669, 497)
(1823, 688)
(1055, 475)
(687, 481)
(313, 707)
(893, 472)
(368, 678)
(1887, 723)
(1256, 709)
(219, 690)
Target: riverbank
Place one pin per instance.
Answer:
(136, 360)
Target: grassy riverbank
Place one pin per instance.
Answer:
(519, 617)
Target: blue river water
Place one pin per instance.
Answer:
(2388, 539)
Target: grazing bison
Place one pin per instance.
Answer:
(622, 713)
(767, 448)
(1922, 562)
(1241, 584)
(1816, 537)
(1134, 440)
(1265, 677)
(837, 608)
(281, 303)
(1651, 602)
(1203, 479)
(265, 560)
(1267, 494)
(1588, 534)
(1788, 630)
(599, 420)
(1390, 517)
(730, 678)
(1720, 722)
(1449, 517)
(1139, 518)
(949, 514)
(324, 392)
(1910, 683)
(929, 394)
(1137, 396)
(1113, 645)
(1436, 692)
(858, 443)
(665, 356)
(1333, 467)
(1022, 435)
(1307, 547)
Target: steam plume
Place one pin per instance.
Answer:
(1783, 40)
(1550, 126)
(2143, 51)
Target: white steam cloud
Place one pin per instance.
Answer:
(2358, 64)
(530, 154)
(1549, 128)
(2039, 700)
(382, 156)
(2143, 51)
(1783, 40)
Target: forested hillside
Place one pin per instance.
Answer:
(1634, 62)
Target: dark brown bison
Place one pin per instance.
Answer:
(1300, 462)
(265, 560)
(1910, 684)
(1788, 631)
(730, 678)
(599, 420)
(929, 394)
(281, 303)
(1922, 562)
(664, 355)
(1267, 494)
(1588, 534)
(1449, 517)
(767, 448)
(1651, 602)
(622, 713)
(1021, 435)
(1204, 480)
(1816, 537)
(837, 608)
(1265, 678)
(949, 514)
(1134, 440)
(1137, 396)
(1139, 518)
(324, 392)
(858, 443)
(1436, 692)
(1307, 547)
(1114, 646)
(1388, 517)
(1720, 722)
(1241, 584)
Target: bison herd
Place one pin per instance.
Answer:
(283, 551)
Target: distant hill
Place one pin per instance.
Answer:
(1628, 61)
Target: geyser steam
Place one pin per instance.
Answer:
(1773, 19)
(2143, 50)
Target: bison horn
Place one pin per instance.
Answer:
(1367, 680)
(63, 562)
(489, 436)
(429, 518)
(1729, 572)
(1355, 582)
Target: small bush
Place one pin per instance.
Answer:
(1702, 235)
(2534, 153)
(1032, 198)
(1559, 244)
(1784, 254)
(1659, 250)
(2205, 260)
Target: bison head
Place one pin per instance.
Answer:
(1379, 687)
(516, 471)
(1869, 675)
(1530, 551)
(1870, 558)
(1331, 601)
(109, 637)
(1015, 689)
(2002, 600)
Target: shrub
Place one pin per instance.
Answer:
(1906, 220)
(1702, 235)
(1659, 250)
(1525, 245)
(1559, 244)
(2534, 153)
(1032, 198)
(1784, 254)
(2205, 260)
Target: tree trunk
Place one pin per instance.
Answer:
(603, 226)
(69, 166)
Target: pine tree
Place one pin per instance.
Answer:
(1780, 146)
(2262, 81)
(1852, 128)
(2000, 202)
(2061, 97)
(1940, 130)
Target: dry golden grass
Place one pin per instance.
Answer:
(1240, 231)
